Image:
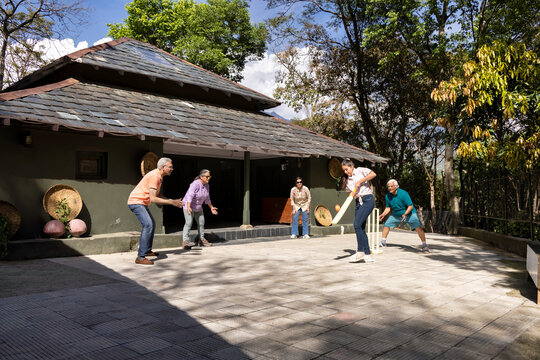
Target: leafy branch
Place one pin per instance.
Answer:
(63, 210)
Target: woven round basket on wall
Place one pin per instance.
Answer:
(334, 168)
(59, 192)
(148, 162)
(323, 215)
(12, 214)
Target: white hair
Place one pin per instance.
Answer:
(392, 181)
(163, 162)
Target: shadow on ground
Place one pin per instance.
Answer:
(283, 300)
(54, 311)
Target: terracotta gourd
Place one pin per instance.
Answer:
(54, 228)
(77, 227)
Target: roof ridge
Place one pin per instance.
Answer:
(12, 95)
(79, 53)
(211, 72)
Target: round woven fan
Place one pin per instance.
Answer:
(323, 215)
(58, 192)
(12, 214)
(148, 162)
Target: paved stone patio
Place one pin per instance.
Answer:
(285, 299)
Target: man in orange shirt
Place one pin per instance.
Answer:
(145, 193)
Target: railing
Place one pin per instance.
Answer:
(508, 205)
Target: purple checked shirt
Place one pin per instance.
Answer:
(197, 194)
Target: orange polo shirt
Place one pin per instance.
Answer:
(141, 193)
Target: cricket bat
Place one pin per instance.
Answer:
(344, 207)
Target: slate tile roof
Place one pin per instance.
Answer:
(132, 56)
(121, 111)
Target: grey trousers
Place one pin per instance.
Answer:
(199, 218)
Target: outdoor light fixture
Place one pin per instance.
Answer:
(27, 140)
(284, 164)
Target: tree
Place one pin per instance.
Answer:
(23, 23)
(216, 35)
(344, 85)
(429, 153)
(500, 93)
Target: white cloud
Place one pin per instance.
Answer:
(56, 48)
(261, 76)
(103, 40)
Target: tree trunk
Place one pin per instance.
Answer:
(432, 206)
(3, 52)
(453, 215)
(440, 225)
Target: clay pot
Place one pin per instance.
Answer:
(77, 227)
(54, 229)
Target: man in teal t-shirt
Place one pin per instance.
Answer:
(400, 204)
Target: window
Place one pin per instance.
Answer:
(91, 165)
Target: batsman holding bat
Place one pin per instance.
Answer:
(356, 181)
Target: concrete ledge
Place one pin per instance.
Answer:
(45, 248)
(533, 266)
(509, 243)
(332, 230)
(128, 241)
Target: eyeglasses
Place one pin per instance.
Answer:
(298, 182)
(207, 176)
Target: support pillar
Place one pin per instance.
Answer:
(246, 216)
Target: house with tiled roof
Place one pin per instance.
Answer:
(87, 120)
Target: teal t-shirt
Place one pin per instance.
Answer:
(399, 202)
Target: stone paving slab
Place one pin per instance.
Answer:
(291, 299)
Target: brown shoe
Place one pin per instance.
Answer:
(204, 242)
(144, 261)
(186, 245)
(151, 253)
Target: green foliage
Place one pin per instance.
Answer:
(500, 98)
(415, 182)
(216, 35)
(63, 210)
(5, 233)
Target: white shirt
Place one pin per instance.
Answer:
(359, 173)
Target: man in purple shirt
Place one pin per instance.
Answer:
(197, 195)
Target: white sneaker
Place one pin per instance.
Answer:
(293, 236)
(307, 237)
(425, 248)
(356, 257)
(368, 258)
(383, 243)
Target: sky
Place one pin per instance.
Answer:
(258, 75)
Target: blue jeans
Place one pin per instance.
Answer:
(199, 218)
(305, 229)
(361, 213)
(148, 225)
